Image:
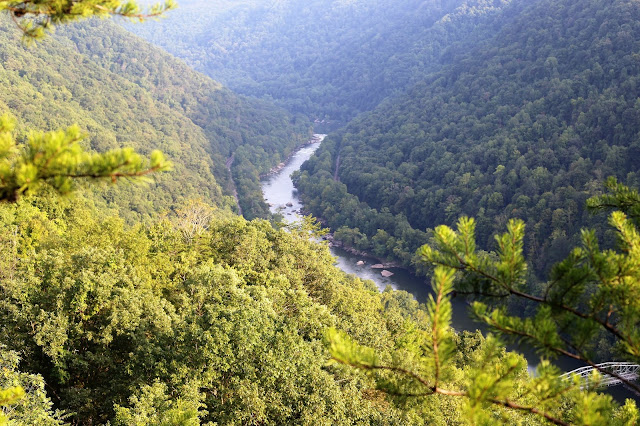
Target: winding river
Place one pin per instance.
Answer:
(282, 198)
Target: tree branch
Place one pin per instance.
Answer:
(437, 390)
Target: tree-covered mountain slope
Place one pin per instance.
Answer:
(142, 325)
(202, 317)
(123, 91)
(526, 125)
(327, 59)
(233, 324)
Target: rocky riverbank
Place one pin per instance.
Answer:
(382, 263)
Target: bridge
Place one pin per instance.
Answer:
(610, 374)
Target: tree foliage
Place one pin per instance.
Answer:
(23, 399)
(201, 316)
(590, 296)
(56, 159)
(123, 92)
(36, 17)
(525, 121)
(136, 324)
(356, 54)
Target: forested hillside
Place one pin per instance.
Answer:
(159, 305)
(158, 324)
(326, 59)
(149, 325)
(526, 125)
(122, 91)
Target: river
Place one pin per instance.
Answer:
(282, 198)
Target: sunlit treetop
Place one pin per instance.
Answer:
(36, 17)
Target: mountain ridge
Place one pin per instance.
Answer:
(129, 93)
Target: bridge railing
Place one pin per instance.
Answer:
(610, 374)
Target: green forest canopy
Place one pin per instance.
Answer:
(325, 59)
(122, 91)
(157, 323)
(526, 125)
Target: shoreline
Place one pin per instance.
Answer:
(315, 138)
(333, 242)
(385, 264)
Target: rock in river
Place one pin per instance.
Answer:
(386, 273)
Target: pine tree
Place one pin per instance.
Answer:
(591, 295)
(57, 160)
(36, 17)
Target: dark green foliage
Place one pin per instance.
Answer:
(202, 316)
(327, 59)
(524, 123)
(255, 134)
(619, 197)
(590, 293)
(23, 398)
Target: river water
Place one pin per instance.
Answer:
(282, 198)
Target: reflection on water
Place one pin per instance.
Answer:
(282, 197)
(402, 279)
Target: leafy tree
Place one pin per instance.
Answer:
(155, 407)
(56, 158)
(122, 91)
(20, 407)
(591, 294)
(137, 325)
(523, 121)
(358, 53)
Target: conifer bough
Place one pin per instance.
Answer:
(591, 296)
(56, 159)
(35, 17)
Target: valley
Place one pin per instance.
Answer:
(475, 161)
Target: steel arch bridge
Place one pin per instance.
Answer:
(608, 372)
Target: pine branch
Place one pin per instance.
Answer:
(411, 374)
(532, 410)
(437, 390)
(434, 333)
(56, 158)
(33, 17)
(464, 266)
